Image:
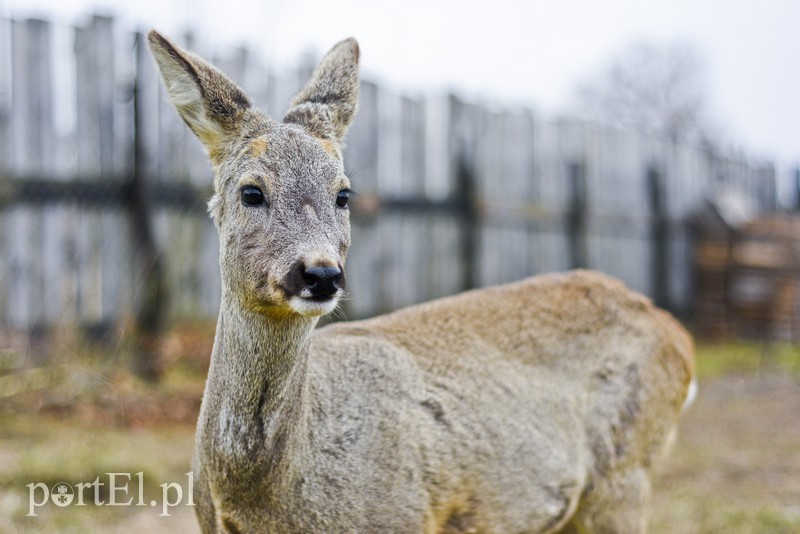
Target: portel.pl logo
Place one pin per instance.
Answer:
(118, 492)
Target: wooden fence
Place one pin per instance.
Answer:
(102, 188)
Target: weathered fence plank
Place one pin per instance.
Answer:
(103, 289)
(406, 236)
(33, 139)
(361, 165)
(6, 263)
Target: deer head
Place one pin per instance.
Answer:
(280, 199)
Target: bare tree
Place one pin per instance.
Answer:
(655, 89)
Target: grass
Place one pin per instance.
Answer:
(736, 465)
(713, 515)
(84, 416)
(51, 450)
(746, 358)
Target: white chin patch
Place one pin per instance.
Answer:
(313, 308)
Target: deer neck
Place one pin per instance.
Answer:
(254, 402)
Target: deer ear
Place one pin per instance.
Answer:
(210, 103)
(327, 104)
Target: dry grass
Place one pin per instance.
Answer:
(51, 450)
(734, 469)
(736, 466)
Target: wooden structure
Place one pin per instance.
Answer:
(747, 277)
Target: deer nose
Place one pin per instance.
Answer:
(323, 281)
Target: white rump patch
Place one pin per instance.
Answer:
(691, 395)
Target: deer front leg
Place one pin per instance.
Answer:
(204, 505)
(617, 503)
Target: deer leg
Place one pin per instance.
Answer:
(616, 504)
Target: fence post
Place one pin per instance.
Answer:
(576, 215)
(151, 306)
(468, 217)
(462, 164)
(659, 238)
(796, 188)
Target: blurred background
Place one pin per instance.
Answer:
(659, 143)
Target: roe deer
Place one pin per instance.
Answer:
(537, 406)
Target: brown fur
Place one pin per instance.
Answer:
(538, 406)
(258, 147)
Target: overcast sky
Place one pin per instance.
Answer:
(529, 52)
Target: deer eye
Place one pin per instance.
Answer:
(252, 196)
(342, 197)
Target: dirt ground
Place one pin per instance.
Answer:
(735, 467)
